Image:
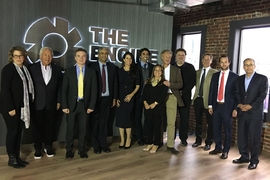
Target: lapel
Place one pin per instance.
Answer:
(249, 86)
(40, 72)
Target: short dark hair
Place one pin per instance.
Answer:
(224, 56)
(145, 49)
(180, 49)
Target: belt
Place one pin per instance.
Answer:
(80, 100)
(220, 102)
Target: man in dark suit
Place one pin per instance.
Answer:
(251, 90)
(188, 74)
(47, 79)
(107, 95)
(79, 96)
(174, 82)
(200, 102)
(222, 106)
(145, 69)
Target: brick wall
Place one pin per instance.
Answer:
(217, 16)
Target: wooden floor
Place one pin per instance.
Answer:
(134, 163)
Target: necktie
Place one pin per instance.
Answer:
(103, 76)
(221, 88)
(80, 84)
(144, 66)
(201, 85)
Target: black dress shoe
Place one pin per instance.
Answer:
(207, 147)
(224, 155)
(69, 154)
(97, 151)
(13, 162)
(252, 166)
(184, 143)
(106, 149)
(240, 161)
(22, 161)
(196, 144)
(83, 154)
(173, 150)
(215, 151)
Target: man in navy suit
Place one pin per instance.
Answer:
(222, 106)
(145, 68)
(79, 96)
(47, 79)
(107, 95)
(251, 90)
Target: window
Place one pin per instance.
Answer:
(251, 39)
(190, 38)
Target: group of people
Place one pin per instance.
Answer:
(87, 92)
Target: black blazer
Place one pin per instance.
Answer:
(112, 79)
(142, 83)
(254, 96)
(47, 96)
(11, 89)
(70, 89)
(229, 94)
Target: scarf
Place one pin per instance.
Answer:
(25, 111)
(154, 82)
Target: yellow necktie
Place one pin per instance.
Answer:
(80, 84)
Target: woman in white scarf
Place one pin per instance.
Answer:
(17, 92)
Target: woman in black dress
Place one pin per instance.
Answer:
(154, 99)
(129, 84)
(17, 91)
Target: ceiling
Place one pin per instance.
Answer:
(162, 5)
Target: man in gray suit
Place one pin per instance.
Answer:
(200, 102)
(174, 82)
(251, 90)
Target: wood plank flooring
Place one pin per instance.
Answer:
(135, 164)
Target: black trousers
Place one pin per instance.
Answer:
(14, 132)
(199, 110)
(100, 122)
(79, 117)
(249, 137)
(43, 127)
(138, 114)
(184, 118)
(152, 129)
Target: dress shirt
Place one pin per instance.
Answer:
(247, 81)
(226, 75)
(167, 72)
(107, 93)
(46, 72)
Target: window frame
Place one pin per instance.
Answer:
(178, 34)
(235, 40)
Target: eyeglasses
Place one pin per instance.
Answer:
(18, 56)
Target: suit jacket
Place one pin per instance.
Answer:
(206, 85)
(142, 83)
(47, 96)
(254, 96)
(176, 83)
(11, 89)
(70, 89)
(229, 94)
(112, 79)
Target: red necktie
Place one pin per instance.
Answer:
(103, 76)
(221, 88)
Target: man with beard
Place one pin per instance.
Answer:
(222, 106)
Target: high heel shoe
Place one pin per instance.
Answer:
(154, 149)
(120, 147)
(148, 147)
